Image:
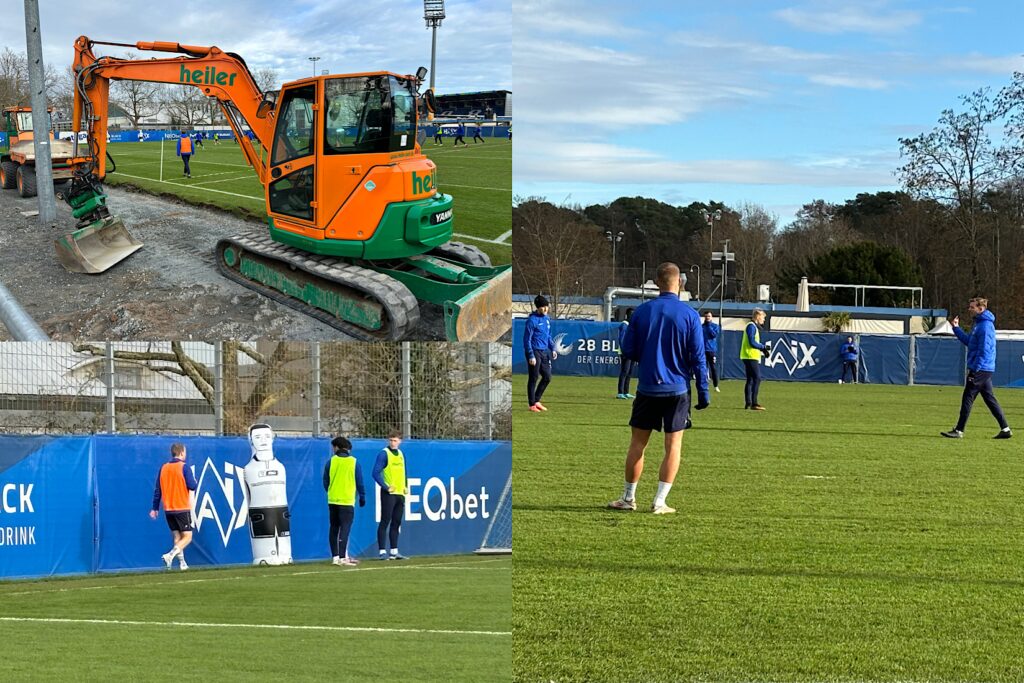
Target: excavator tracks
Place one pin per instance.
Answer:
(362, 303)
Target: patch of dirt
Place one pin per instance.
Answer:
(169, 289)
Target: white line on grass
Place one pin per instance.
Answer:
(203, 189)
(290, 627)
(222, 180)
(504, 236)
(460, 564)
(480, 239)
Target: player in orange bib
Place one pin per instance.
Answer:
(173, 484)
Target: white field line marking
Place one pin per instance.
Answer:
(203, 189)
(478, 187)
(462, 564)
(198, 624)
(480, 239)
(504, 236)
(456, 155)
(223, 180)
(217, 163)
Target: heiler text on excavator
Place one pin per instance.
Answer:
(358, 231)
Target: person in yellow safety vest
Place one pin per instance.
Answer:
(343, 481)
(389, 473)
(185, 149)
(751, 350)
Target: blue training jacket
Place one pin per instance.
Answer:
(980, 343)
(664, 336)
(848, 351)
(537, 334)
(711, 331)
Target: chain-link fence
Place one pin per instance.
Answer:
(423, 389)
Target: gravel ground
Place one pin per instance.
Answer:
(170, 289)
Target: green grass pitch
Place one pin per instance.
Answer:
(834, 537)
(478, 176)
(429, 619)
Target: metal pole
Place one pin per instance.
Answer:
(218, 388)
(40, 132)
(488, 405)
(433, 56)
(315, 348)
(21, 326)
(108, 372)
(406, 379)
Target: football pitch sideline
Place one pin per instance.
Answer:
(479, 177)
(426, 619)
(834, 537)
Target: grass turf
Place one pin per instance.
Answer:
(834, 537)
(479, 177)
(454, 594)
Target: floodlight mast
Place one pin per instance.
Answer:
(433, 13)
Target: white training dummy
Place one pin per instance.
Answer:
(269, 519)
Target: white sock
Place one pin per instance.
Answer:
(181, 557)
(663, 490)
(1005, 429)
(174, 552)
(394, 551)
(383, 553)
(629, 493)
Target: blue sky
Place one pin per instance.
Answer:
(474, 42)
(771, 102)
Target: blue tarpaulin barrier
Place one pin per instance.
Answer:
(81, 504)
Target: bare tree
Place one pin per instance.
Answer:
(557, 251)
(272, 383)
(14, 90)
(138, 99)
(266, 79)
(187, 106)
(956, 164)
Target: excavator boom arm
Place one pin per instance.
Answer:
(216, 73)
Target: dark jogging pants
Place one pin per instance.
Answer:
(341, 524)
(750, 389)
(979, 382)
(709, 356)
(852, 365)
(541, 370)
(625, 374)
(392, 508)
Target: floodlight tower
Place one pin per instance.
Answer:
(433, 12)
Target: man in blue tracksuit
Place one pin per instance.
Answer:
(981, 363)
(625, 365)
(711, 331)
(540, 351)
(665, 338)
(848, 352)
(460, 132)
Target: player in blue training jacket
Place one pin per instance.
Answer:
(981, 363)
(625, 365)
(540, 351)
(848, 352)
(665, 338)
(711, 331)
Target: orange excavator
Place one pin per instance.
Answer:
(358, 231)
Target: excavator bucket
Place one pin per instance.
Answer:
(96, 247)
(482, 315)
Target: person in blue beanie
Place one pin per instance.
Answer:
(848, 352)
(711, 331)
(981, 363)
(664, 337)
(625, 365)
(540, 352)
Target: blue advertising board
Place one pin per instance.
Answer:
(80, 504)
(46, 506)
(590, 349)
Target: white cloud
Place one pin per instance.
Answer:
(844, 81)
(871, 18)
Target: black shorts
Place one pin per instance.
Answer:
(179, 521)
(666, 413)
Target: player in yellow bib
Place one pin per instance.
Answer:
(751, 350)
(343, 481)
(389, 473)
